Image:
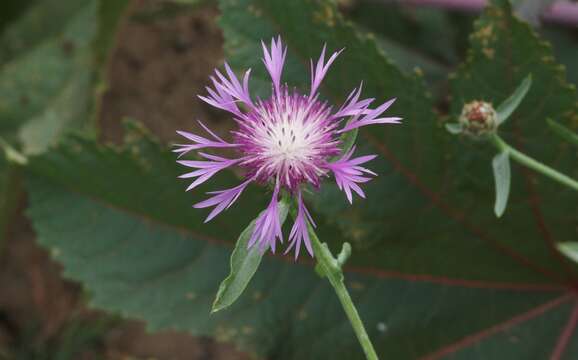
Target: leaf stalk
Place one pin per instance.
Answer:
(535, 165)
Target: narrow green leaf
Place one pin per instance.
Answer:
(569, 249)
(501, 166)
(10, 154)
(47, 80)
(563, 132)
(244, 263)
(507, 107)
(454, 128)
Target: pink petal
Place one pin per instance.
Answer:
(370, 116)
(222, 200)
(320, 70)
(300, 230)
(348, 173)
(274, 61)
(200, 142)
(268, 226)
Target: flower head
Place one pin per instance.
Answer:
(288, 141)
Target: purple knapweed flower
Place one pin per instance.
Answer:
(288, 140)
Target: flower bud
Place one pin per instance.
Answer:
(478, 118)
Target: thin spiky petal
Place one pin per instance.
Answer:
(353, 106)
(318, 72)
(300, 230)
(206, 169)
(199, 142)
(231, 85)
(371, 117)
(274, 61)
(348, 174)
(221, 99)
(222, 199)
(268, 226)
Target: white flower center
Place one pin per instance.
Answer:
(290, 139)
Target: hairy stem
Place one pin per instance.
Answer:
(533, 164)
(331, 268)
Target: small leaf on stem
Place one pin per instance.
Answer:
(563, 132)
(344, 254)
(244, 264)
(569, 249)
(501, 166)
(508, 106)
(11, 154)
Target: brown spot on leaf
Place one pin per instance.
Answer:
(485, 35)
(356, 285)
(489, 52)
(24, 100)
(68, 47)
(255, 11)
(257, 295)
(326, 15)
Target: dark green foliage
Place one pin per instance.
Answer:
(433, 271)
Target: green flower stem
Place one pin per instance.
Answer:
(533, 164)
(330, 267)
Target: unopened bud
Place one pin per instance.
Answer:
(478, 118)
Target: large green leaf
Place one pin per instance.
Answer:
(46, 72)
(44, 81)
(49, 61)
(433, 273)
(422, 169)
(414, 38)
(429, 213)
(11, 9)
(120, 224)
(47, 77)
